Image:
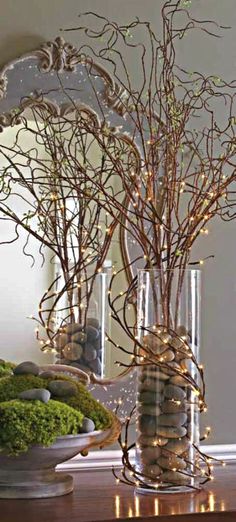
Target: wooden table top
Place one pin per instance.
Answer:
(97, 497)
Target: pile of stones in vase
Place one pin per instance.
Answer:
(81, 346)
(164, 419)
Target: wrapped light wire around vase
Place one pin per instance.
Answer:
(170, 392)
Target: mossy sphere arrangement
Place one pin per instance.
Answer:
(37, 407)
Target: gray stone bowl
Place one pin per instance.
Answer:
(32, 474)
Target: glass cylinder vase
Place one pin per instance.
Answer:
(82, 323)
(169, 380)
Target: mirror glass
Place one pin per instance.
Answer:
(42, 184)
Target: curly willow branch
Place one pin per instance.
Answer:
(161, 182)
(186, 176)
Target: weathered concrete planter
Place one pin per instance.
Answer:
(33, 475)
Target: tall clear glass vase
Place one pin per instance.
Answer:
(169, 390)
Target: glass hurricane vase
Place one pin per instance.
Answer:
(169, 383)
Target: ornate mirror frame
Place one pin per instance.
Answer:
(46, 76)
(37, 76)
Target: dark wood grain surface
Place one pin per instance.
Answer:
(97, 497)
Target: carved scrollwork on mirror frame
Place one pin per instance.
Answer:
(58, 57)
(3, 86)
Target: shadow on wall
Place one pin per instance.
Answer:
(14, 46)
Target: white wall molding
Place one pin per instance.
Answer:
(112, 458)
(226, 452)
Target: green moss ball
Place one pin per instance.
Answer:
(6, 368)
(11, 386)
(91, 408)
(82, 401)
(25, 423)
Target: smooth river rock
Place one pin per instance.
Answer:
(61, 340)
(174, 477)
(89, 352)
(144, 440)
(172, 419)
(92, 333)
(97, 344)
(149, 397)
(153, 470)
(96, 366)
(169, 432)
(172, 462)
(187, 364)
(176, 343)
(172, 391)
(153, 344)
(87, 425)
(174, 407)
(80, 366)
(79, 337)
(180, 381)
(176, 446)
(182, 331)
(151, 385)
(62, 388)
(26, 368)
(147, 425)
(168, 356)
(150, 454)
(35, 394)
(173, 368)
(183, 354)
(150, 409)
(158, 337)
(49, 374)
(93, 321)
(72, 328)
(153, 374)
(72, 351)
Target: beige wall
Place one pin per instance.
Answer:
(26, 23)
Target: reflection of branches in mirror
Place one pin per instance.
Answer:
(57, 180)
(187, 169)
